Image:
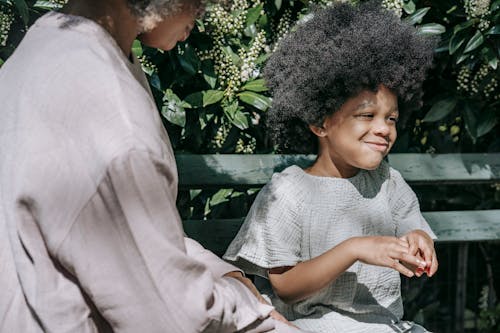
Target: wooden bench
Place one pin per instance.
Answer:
(251, 171)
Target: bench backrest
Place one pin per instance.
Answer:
(247, 171)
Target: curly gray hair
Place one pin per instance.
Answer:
(151, 12)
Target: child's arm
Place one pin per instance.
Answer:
(421, 244)
(296, 283)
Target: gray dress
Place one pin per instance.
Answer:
(298, 216)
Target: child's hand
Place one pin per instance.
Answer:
(421, 245)
(386, 251)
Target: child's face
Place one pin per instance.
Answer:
(362, 131)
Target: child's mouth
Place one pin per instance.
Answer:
(379, 147)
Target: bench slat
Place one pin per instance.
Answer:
(452, 226)
(209, 171)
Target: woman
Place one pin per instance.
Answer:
(91, 240)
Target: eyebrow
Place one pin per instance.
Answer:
(368, 103)
(363, 105)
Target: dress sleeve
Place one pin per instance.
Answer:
(271, 234)
(405, 208)
(127, 251)
(216, 265)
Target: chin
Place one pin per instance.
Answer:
(370, 165)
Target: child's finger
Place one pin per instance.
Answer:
(409, 259)
(428, 252)
(396, 265)
(433, 267)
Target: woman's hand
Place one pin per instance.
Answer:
(248, 283)
(421, 245)
(386, 251)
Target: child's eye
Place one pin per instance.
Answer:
(365, 116)
(393, 119)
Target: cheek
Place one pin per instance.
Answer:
(394, 134)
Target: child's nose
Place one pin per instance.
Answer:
(381, 127)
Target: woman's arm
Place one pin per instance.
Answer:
(293, 284)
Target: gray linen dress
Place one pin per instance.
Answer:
(298, 216)
(90, 238)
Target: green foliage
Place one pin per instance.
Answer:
(462, 92)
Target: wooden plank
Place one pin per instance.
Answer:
(202, 171)
(454, 226)
(469, 225)
(447, 168)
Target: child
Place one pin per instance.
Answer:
(333, 238)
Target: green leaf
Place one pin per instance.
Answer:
(220, 197)
(409, 7)
(464, 25)
(240, 120)
(494, 30)
(22, 9)
(212, 96)
(263, 20)
(253, 14)
(277, 4)
(476, 41)
(137, 48)
(194, 193)
(1, 62)
(231, 110)
(195, 99)
(417, 16)
(462, 58)
(189, 60)
(209, 73)
(256, 100)
(250, 31)
(495, 6)
(431, 29)
(200, 25)
(440, 109)
(486, 122)
(256, 85)
(490, 57)
(470, 119)
(173, 109)
(47, 5)
(455, 42)
(235, 59)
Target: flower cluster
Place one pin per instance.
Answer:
(248, 148)
(232, 68)
(284, 25)
(248, 67)
(483, 82)
(221, 135)
(479, 9)
(394, 5)
(59, 2)
(147, 66)
(6, 19)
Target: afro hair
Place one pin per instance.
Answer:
(341, 51)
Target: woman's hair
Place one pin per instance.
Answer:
(341, 51)
(151, 12)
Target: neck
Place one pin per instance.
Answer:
(327, 165)
(113, 15)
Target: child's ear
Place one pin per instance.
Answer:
(319, 131)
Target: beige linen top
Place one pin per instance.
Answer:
(89, 229)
